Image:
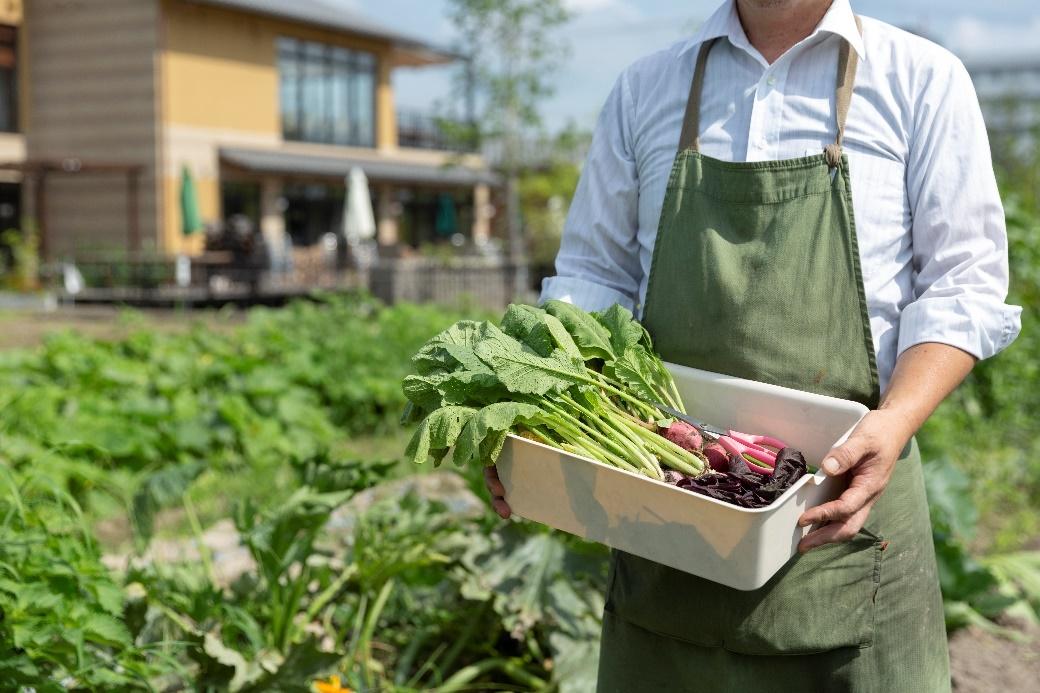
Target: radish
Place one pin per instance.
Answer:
(684, 435)
(717, 456)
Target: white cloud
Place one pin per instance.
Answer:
(610, 8)
(579, 6)
(971, 37)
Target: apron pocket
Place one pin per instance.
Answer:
(818, 602)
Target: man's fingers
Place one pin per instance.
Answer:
(835, 531)
(498, 492)
(851, 502)
(494, 485)
(826, 535)
(844, 457)
(501, 507)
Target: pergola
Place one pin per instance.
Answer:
(40, 170)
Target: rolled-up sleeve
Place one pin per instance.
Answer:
(598, 263)
(960, 249)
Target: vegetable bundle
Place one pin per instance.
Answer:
(585, 383)
(559, 375)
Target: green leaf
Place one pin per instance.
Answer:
(527, 325)
(430, 392)
(424, 391)
(949, 498)
(592, 338)
(524, 372)
(437, 433)
(440, 353)
(634, 369)
(246, 672)
(106, 630)
(624, 331)
(159, 490)
(304, 662)
(484, 434)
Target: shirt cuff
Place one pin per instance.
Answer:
(586, 295)
(981, 327)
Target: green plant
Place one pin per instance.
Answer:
(976, 591)
(62, 625)
(24, 271)
(574, 380)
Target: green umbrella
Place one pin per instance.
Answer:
(191, 220)
(446, 222)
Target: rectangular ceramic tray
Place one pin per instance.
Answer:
(738, 547)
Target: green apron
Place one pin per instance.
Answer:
(756, 274)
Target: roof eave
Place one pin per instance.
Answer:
(408, 54)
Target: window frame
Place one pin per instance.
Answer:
(339, 122)
(9, 36)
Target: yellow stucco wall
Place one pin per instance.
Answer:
(220, 67)
(11, 12)
(219, 84)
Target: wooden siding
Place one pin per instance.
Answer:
(92, 96)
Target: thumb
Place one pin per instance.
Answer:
(844, 457)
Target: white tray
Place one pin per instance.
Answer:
(734, 546)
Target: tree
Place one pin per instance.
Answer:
(513, 53)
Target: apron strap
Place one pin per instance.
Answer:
(848, 62)
(690, 137)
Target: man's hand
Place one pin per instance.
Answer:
(497, 491)
(924, 375)
(869, 456)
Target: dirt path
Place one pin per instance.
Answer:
(982, 662)
(20, 329)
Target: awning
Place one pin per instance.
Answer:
(277, 161)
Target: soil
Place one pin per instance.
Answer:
(23, 328)
(983, 662)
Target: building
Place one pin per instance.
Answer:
(268, 103)
(1009, 91)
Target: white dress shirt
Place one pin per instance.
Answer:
(929, 220)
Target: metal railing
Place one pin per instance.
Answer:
(420, 130)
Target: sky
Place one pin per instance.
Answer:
(607, 35)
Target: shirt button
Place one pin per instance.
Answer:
(771, 81)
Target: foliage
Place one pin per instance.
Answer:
(513, 52)
(976, 591)
(123, 419)
(391, 595)
(545, 193)
(988, 427)
(19, 259)
(62, 623)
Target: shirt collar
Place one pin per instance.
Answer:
(725, 23)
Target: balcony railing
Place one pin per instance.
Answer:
(424, 131)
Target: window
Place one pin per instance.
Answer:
(327, 93)
(8, 79)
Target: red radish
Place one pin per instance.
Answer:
(717, 456)
(684, 435)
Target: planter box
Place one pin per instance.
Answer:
(734, 546)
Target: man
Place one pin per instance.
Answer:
(831, 223)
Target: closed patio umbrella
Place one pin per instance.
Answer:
(359, 223)
(191, 219)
